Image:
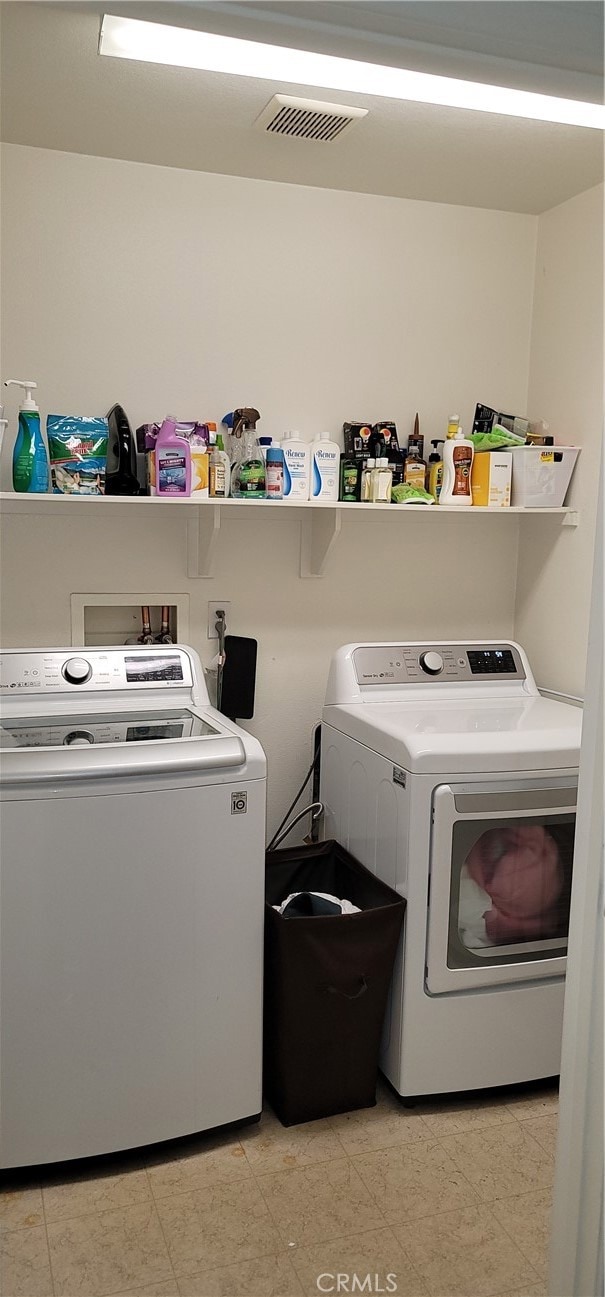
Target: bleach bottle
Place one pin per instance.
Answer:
(172, 461)
(30, 461)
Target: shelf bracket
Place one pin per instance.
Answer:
(320, 530)
(571, 519)
(203, 531)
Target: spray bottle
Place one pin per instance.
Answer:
(30, 461)
(248, 480)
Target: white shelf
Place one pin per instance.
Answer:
(320, 522)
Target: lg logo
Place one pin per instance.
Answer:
(354, 1283)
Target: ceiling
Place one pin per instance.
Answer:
(57, 93)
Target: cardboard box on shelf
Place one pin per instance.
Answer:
(491, 476)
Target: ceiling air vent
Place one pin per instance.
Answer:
(307, 119)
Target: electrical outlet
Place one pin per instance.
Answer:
(214, 605)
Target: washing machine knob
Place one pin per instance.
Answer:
(77, 671)
(432, 663)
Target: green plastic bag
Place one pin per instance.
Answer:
(497, 439)
(405, 493)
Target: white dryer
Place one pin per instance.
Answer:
(446, 772)
(132, 896)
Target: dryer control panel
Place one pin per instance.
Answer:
(420, 663)
(52, 671)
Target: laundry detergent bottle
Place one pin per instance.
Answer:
(172, 461)
(30, 460)
(457, 464)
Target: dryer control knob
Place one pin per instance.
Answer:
(432, 663)
(78, 739)
(77, 671)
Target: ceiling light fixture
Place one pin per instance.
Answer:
(131, 38)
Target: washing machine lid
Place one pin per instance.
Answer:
(114, 713)
(83, 746)
(445, 737)
(83, 729)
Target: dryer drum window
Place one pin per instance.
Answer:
(510, 889)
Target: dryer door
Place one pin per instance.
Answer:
(500, 883)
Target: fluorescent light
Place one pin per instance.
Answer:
(131, 38)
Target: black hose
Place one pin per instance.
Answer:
(296, 799)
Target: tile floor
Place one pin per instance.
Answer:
(450, 1198)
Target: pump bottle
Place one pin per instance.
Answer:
(435, 469)
(457, 463)
(30, 460)
(3, 427)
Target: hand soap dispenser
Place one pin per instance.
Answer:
(30, 460)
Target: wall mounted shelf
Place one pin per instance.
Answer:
(321, 524)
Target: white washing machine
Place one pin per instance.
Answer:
(447, 773)
(131, 904)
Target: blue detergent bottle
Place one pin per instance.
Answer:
(30, 460)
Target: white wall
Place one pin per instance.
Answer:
(566, 389)
(173, 290)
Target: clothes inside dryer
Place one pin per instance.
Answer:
(514, 884)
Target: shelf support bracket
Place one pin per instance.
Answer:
(320, 530)
(571, 519)
(203, 531)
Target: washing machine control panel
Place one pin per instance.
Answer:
(401, 664)
(93, 670)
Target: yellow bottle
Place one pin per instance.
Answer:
(453, 424)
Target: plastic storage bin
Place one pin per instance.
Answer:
(541, 475)
(326, 984)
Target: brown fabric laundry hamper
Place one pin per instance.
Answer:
(326, 984)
